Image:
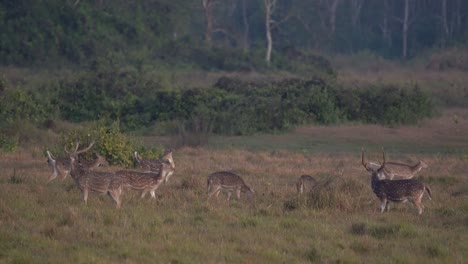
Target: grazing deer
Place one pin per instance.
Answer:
(61, 165)
(89, 180)
(155, 165)
(228, 182)
(306, 182)
(397, 190)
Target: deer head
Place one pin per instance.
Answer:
(74, 154)
(380, 172)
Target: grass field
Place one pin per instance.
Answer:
(49, 223)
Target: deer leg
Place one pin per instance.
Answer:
(229, 195)
(167, 177)
(383, 204)
(116, 196)
(215, 192)
(64, 175)
(85, 195)
(238, 191)
(154, 189)
(143, 194)
(387, 206)
(419, 205)
(53, 176)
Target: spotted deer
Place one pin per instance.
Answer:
(403, 171)
(395, 190)
(61, 165)
(155, 165)
(88, 180)
(398, 170)
(227, 182)
(305, 183)
(147, 181)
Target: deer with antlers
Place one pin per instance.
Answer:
(88, 180)
(61, 165)
(395, 190)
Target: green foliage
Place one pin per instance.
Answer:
(170, 33)
(34, 32)
(8, 143)
(230, 107)
(386, 104)
(109, 141)
(150, 153)
(21, 105)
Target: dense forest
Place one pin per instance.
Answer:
(111, 50)
(228, 35)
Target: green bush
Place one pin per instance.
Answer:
(21, 105)
(8, 144)
(230, 107)
(386, 104)
(108, 139)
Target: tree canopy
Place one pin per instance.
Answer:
(202, 32)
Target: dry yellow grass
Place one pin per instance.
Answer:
(42, 222)
(50, 223)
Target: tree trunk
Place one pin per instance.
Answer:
(386, 35)
(405, 30)
(209, 20)
(356, 7)
(445, 29)
(269, 9)
(245, 44)
(332, 21)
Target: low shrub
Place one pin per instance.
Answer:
(230, 107)
(109, 141)
(8, 143)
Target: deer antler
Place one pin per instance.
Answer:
(383, 155)
(365, 164)
(84, 150)
(66, 149)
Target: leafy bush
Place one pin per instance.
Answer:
(8, 144)
(21, 105)
(109, 141)
(386, 104)
(230, 107)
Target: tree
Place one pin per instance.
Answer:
(405, 30)
(208, 6)
(356, 7)
(245, 21)
(332, 7)
(270, 6)
(385, 27)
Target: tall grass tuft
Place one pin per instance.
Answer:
(336, 192)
